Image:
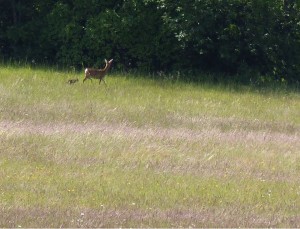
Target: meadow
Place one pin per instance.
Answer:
(145, 153)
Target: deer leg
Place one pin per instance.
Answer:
(104, 82)
(86, 77)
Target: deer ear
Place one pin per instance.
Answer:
(105, 61)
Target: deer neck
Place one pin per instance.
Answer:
(106, 68)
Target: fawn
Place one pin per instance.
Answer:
(98, 73)
(72, 81)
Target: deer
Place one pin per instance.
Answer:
(92, 73)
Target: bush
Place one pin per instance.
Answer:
(229, 35)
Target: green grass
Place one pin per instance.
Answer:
(145, 152)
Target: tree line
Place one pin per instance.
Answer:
(245, 38)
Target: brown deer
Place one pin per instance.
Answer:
(91, 73)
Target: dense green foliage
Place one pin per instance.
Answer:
(241, 37)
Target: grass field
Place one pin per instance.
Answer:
(145, 153)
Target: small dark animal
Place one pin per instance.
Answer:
(72, 81)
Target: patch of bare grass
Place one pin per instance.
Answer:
(232, 135)
(209, 153)
(206, 217)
